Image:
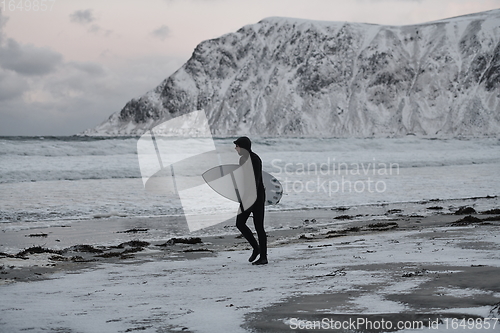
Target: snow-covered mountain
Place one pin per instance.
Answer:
(294, 77)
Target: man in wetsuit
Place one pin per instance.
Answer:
(244, 149)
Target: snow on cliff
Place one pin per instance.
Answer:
(296, 77)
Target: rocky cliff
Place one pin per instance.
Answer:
(295, 77)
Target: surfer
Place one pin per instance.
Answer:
(244, 149)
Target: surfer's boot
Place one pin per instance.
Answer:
(254, 255)
(261, 261)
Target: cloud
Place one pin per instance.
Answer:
(76, 95)
(12, 86)
(89, 68)
(27, 59)
(162, 32)
(86, 18)
(41, 93)
(82, 16)
(24, 59)
(3, 21)
(96, 29)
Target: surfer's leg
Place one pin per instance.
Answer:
(258, 220)
(241, 224)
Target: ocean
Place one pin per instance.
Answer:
(47, 181)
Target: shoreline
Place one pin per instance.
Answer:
(275, 218)
(67, 246)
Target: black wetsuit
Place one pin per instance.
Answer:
(257, 209)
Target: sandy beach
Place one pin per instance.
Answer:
(376, 269)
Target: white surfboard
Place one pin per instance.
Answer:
(217, 180)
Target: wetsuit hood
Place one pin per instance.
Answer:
(244, 142)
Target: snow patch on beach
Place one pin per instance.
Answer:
(214, 294)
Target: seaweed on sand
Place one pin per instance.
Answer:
(190, 240)
(383, 225)
(36, 250)
(83, 248)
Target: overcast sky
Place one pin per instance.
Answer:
(67, 65)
